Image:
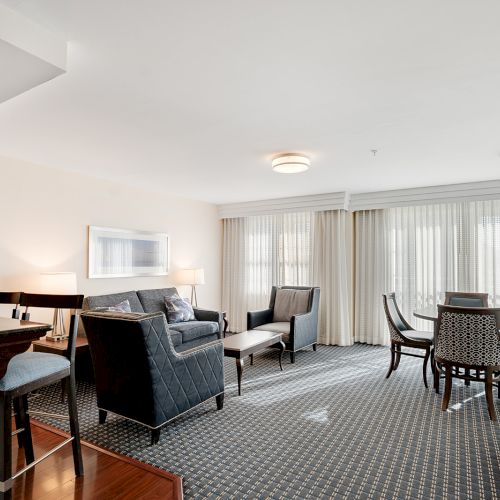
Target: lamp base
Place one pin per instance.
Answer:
(58, 332)
(56, 338)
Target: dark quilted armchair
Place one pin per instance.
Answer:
(293, 311)
(140, 376)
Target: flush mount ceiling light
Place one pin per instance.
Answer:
(291, 163)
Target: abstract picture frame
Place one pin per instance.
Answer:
(121, 253)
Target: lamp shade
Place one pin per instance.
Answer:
(191, 277)
(58, 283)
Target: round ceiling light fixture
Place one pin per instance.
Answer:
(291, 163)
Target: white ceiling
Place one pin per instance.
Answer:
(194, 97)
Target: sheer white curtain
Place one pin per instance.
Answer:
(332, 273)
(259, 252)
(421, 252)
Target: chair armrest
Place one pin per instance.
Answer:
(208, 315)
(303, 329)
(202, 348)
(257, 318)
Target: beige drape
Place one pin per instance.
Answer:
(332, 273)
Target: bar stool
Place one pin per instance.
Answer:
(30, 371)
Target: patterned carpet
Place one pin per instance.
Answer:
(329, 426)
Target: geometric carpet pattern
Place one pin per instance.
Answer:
(329, 426)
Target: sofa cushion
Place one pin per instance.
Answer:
(175, 337)
(178, 310)
(154, 300)
(191, 330)
(278, 327)
(289, 302)
(112, 299)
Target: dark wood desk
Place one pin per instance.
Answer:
(248, 343)
(16, 337)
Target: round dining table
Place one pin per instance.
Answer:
(428, 313)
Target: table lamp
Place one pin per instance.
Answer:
(192, 277)
(58, 284)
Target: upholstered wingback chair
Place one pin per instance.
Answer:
(292, 311)
(140, 376)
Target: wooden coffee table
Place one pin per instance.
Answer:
(248, 343)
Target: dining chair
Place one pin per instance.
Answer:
(404, 335)
(468, 339)
(11, 298)
(466, 299)
(30, 371)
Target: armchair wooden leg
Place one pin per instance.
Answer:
(426, 359)
(220, 401)
(102, 416)
(467, 374)
(447, 387)
(315, 347)
(391, 366)
(292, 357)
(489, 394)
(155, 436)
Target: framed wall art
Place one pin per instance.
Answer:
(119, 253)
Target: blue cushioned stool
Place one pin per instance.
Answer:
(28, 372)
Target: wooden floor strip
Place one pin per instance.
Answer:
(108, 475)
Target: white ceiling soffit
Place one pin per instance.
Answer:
(29, 54)
(315, 203)
(487, 190)
(473, 191)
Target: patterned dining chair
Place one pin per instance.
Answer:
(466, 299)
(404, 335)
(468, 339)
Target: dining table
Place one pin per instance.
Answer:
(429, 313)
(16, 336)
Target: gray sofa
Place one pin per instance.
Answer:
(206, 328)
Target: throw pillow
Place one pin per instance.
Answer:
(289, 302)
(123, 307)
(178, 309)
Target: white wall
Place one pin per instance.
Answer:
(43, 227)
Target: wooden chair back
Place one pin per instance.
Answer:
(11, 298)
(72, 302)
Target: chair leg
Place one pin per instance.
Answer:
(424, 368)
(315, 347)
(397, 355)
(391, 367)
(63, 390)
(437, 377)
(17, 411)
(220, 401)
(467, 374)
(292, 357)
(155, 436)
(489, 394)
(6, 444)
(73, 424)
(447, 387)
(432, 360)
(25, 422)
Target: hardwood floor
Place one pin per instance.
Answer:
(107, 475)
